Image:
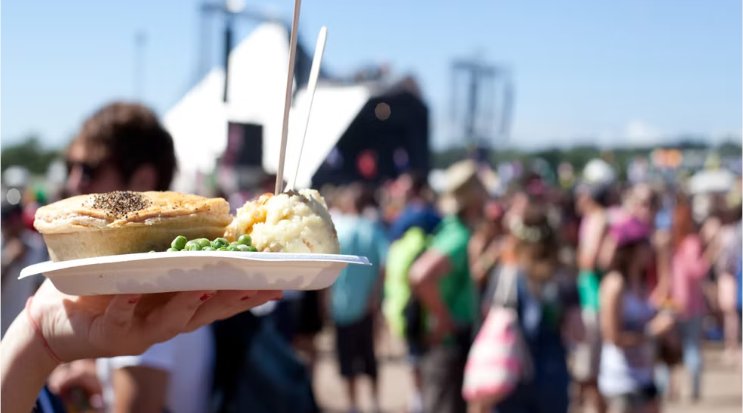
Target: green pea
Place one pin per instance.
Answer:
(245, 240)
(172, 250)
(151, 251)
(252, 248)
(234, 244)
(220, 242)
(231, 248)
(222, 249)
(179, 242)
(208, 249)
(203, 242)
(242, 248)
(193, 246)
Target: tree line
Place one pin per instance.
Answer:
(579, 155)
(32, 155)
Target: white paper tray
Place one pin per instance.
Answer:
(193, 270)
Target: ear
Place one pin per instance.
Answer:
(143, 179)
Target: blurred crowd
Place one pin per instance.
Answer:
(610, 290)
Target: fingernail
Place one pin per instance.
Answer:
(206, 297)
(249, 294)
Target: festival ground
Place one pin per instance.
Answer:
(721, 391)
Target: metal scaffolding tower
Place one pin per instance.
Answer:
(482, 104)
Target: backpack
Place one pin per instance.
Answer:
(401, 308)
(256, 369)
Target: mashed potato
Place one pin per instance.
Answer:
(296, 222)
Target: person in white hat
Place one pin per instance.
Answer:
(592, 202)
(441, 281)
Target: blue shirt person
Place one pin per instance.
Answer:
(355, 285)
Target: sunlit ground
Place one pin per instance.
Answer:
(721, 389)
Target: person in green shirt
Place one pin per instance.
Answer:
(440, 279)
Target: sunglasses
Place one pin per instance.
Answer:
(89, 170)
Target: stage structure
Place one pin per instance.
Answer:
(377, 126)
(481, 110)
(388, 136)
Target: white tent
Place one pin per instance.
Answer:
(257, 68)
(711, 181)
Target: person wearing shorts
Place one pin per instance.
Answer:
(587, 353)
(356, 294)
(592, 205)
(355, 345)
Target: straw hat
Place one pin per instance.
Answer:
(462, 187)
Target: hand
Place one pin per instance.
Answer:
(444, 327)
(660, 295)
(78, 374)
(115, 325)
(661, 324)
(374, 303)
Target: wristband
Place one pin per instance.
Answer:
(37, 330)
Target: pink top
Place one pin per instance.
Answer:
(688, 270)
(617, 215)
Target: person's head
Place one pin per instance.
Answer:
(494, 212)
(465, 196)
(122, 146)
(643, 202)
(12, 220)
(536, 243)
(355, 198)
(414, 185)
(591, 197)
(330, 194)
(633, 251)
(492, 224)
(535, 186)
(683, 223)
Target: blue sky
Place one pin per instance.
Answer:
(636, 70)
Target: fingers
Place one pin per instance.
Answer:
(78, 374)
(228, 303)
(59, 379)
(222, 304)
(119, 313)
(171, 319)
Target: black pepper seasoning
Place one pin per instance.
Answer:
(120, 203)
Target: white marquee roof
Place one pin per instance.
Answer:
(258, 65)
